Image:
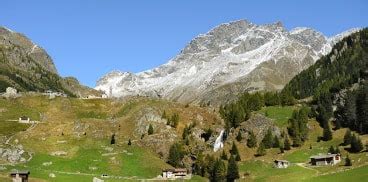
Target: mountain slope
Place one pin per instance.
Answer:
(231, 58)
(27, 67)
(344, 66)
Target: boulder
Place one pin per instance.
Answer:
(52, 175)
(59, 153)
(10, 93)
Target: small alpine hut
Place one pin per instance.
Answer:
(281, 164)
(24, 119)
(178, 173)
(20, 176)
(323, 160)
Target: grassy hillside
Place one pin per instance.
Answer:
(279, 114)
(83, 129)
(261, 168)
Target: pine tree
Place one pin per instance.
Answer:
(150, 130)
(237, 157)
(362, 110)
(252, 140)
(337, 124)
(234, 149)
(261, 151)
(223, 155)
(186, 132)
(322, 116)
(282, 150)
(235, 152)
(287, 143)
(325, 105)
(268, 139)
(337, 151)
(331, 150)
(327, 133)
(297, 142)
(129, 142)
(276, 142)
(199, 166)
(356, 144)
(218, 172)
(232, 170)
(239, 137)
(347, 137)
(176, 155)
(350, 111)
(112, 142)
(174, 121)
(348, 161)
(297, 128)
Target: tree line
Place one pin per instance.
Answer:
(345, 65)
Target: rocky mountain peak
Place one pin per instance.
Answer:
(10, 38)
(231, 58)
(27, 67)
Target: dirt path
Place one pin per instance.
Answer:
(303, 165)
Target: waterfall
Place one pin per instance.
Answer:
(218, 143)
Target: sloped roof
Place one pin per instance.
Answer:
(323, 156)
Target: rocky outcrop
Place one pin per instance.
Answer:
(163, 135)
(259, 125)
(12, 154)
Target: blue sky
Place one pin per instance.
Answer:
(87, 39)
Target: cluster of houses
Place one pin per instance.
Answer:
(167, 174)
(182, 173)
(317, 160)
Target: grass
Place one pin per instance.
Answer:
(12, 109)
(357, 174)
(279, 114)
(264, 171)
(141, 164)
(126, 109)
(8, 128)
(92, 114)
(260, 169)
(60, 115)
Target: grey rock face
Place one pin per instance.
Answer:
(259, 125)
(9, 38)
(231, 58)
